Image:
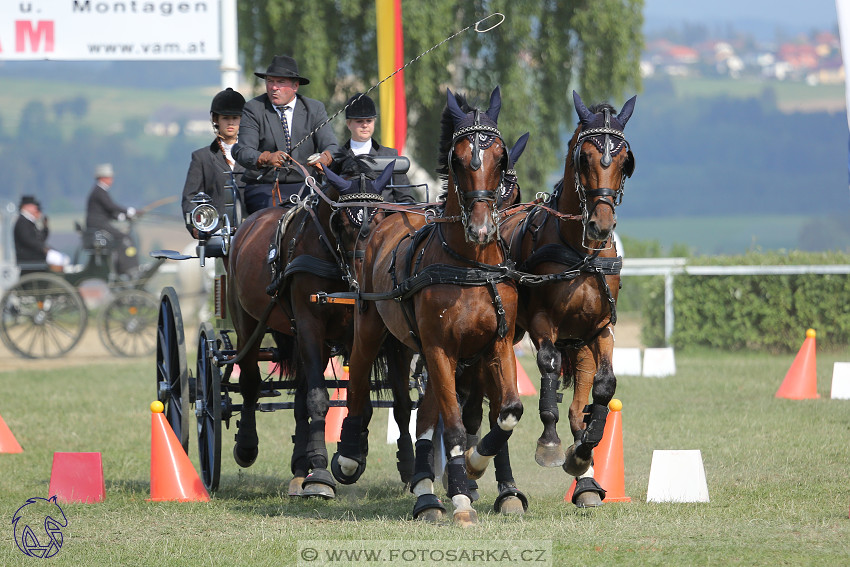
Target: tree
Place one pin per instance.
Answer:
(542, 50)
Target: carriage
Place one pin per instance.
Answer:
(439, 281)
(211, 388)
(44, 313)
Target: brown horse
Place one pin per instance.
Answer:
(569, 306)
(439, 286)
(290, 254)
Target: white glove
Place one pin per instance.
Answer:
(131, 212)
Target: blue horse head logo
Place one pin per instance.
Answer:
(38, 527)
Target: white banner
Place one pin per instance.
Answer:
(109, 29)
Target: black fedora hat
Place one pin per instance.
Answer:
(360, 106)
(29, 200)
(283, 66)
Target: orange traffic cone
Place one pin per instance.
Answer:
(524, 385)
(801, 381)
(333, 421)
(8, 443)
(608, 459)
(172, 475)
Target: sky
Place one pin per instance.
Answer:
(792, 15)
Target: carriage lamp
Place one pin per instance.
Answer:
(204, 215)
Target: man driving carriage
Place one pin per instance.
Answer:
(278, 123)
(101, 210)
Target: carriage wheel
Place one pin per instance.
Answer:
(42, 316)
(127, 325)
(208, 408)
(172, 380)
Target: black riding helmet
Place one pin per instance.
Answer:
(227, 103)
(362, 107)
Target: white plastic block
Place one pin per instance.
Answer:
(659, 362)
(677, 476)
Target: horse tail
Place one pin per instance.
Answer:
(567, 369)
(286, 349)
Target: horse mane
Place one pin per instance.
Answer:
(599, 107)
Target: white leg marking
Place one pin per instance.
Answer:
(428, 435)
(478, 462)
(588, 473)
(348, 466)
(461, 502)
(424, 486)
(456, 451)
(509, 423)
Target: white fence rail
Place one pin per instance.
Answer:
(670, 267)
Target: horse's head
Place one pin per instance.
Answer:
(600, 160)
(357, 184)
(474, 160)
(510, 193)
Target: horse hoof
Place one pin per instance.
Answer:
(432, 516)
(574, 465)
(549, 455)
(465, 518)
(295, 486)
(245, 456)
(428, 508)
(511, 506)
(510, 501)
(470, 472)
(588, 500)
(319, 483)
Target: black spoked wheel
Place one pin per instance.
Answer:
(208, 408)
(128, 324)
(42, 316)
(172, 380)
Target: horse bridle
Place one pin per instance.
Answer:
(602, 139)
(482, 137)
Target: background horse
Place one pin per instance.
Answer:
(570, 311)
(291, 254)
(439, 286)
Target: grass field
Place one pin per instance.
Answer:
(776, 472)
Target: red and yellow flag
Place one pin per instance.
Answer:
(390, 58)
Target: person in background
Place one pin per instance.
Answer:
(273, 124)
(30, 233)
(360, 118)
(210, 164)
(101, 210)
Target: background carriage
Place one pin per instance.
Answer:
(43, 314)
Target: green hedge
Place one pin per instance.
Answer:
(761, 312)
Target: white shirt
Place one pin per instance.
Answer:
(227, 155)
(360, 148)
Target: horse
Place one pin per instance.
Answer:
(289, 254)
(438, 282)
(567, 303)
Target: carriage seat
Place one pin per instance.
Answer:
(92, 238)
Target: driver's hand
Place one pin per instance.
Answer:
(324, 158)
(131, 212)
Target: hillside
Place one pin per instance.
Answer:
(722, 165)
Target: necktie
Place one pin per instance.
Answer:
(285, 125)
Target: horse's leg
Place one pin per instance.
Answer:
(398, 371)
(505, 409)
(313, 356)
(549, 452)
(594, 373)
(299, 465)
(510, 499)
(349, 462)
(246, 449)
(428, 507)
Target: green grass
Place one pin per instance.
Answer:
(787, 93)
(776, 472)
